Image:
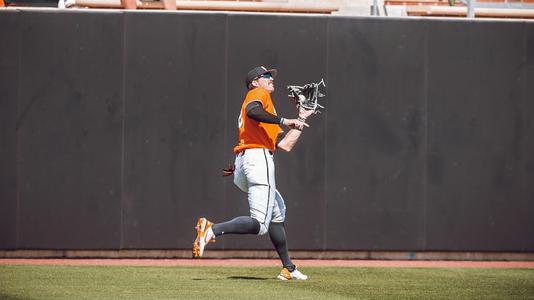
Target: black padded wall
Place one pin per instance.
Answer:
(375, 139)
(476, 137)
(115, 127)
(526, 169)
(69, 126)
(9, 75)
(174, 133)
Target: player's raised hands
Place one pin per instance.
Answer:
(304, 113)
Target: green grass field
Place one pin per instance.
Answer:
(119, 282)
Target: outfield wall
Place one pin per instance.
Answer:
(114, 128)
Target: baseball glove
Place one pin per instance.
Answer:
(307, 95)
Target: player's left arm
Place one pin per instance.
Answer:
(289, 140)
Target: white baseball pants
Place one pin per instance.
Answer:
(254, 175)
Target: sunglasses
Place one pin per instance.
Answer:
(266, 76)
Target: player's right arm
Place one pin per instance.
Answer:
(256, 112)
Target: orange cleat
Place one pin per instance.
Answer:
(204, 236)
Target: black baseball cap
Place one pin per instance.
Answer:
(257, 71)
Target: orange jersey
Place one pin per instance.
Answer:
(254, 134)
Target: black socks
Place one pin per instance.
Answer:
(248, 225)
(238, 225)
(277, 232)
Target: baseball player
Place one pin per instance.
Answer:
(254, 172)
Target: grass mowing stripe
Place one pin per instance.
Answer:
(120, 282)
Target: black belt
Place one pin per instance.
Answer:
(243, 152)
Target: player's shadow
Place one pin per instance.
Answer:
(232, 277)
(12, 297)
(247, 278)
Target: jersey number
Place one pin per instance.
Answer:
(240, 120)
